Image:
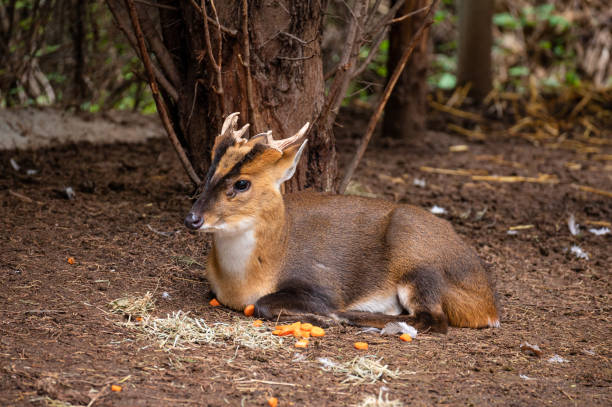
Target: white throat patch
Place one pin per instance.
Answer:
(234, 250)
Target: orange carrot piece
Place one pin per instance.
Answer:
(306, 327)
(116, 387)
(284, 330)
(214, 302)
(257, 323)
(273, 402)
(406, 338)
(303, 343)
(70, 260)
(317, 331)
(361, 345)
(249, 310)
(138, 319)
(305, 334)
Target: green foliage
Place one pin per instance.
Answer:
(443, 69)
(518, 71)
(530, 16)
(42, 42)
(506, 20)
(548, 41)
(375, 71)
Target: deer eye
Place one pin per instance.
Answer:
(241, 185)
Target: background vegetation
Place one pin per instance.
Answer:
(69, 53)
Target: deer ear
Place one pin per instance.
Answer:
(286, 165)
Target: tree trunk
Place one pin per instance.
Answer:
(405, 111)
(475, 39)
(285, 89)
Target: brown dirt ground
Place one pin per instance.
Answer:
(59, 341)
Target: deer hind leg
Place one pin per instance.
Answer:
(469, 303)
(420, 294)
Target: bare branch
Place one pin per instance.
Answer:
(405, 16)
(157, 5)
(373, 52)
(214, 62)
(384, 20)
(373, 12)
(156, 43)
(230, 31)
(385, 97)
(342, 76)
(123, 23)
(254, 116)
(161, 106)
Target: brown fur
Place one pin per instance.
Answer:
(339, 256)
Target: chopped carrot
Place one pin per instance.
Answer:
(406, 338)
(273, 402)
(214, 303)
(249, 310)
(305, 334)
(284, 330)
(306, 327)
(297, 333)
(257, 323)
(70, 260)
(317, 331)
(303, 343)
(361, 345)
(138, 319)
(116, 387)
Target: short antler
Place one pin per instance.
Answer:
(282, 144)
(229, 128)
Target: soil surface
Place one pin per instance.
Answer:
(60, 345)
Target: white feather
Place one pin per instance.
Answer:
(573, 226)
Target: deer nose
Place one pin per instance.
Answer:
(193, 221)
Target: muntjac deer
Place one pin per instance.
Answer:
(354, 260)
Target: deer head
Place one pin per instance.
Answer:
(244, 178)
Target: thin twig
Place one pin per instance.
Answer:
(215, 62)
(373, 52)
(230, 31)
(373, 12)
(597, 191)
(123, 25)
(405, 16)
(385, 97)
(384, 20)
(342, 74)
(157, 45)
(254, 117)
(157, 5)
(159, 102)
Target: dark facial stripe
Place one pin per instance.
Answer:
(211, 183)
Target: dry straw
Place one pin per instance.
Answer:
(133, 306)
(178, 330)
(361, 369)
(380, 401)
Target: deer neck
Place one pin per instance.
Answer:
(257, 244)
